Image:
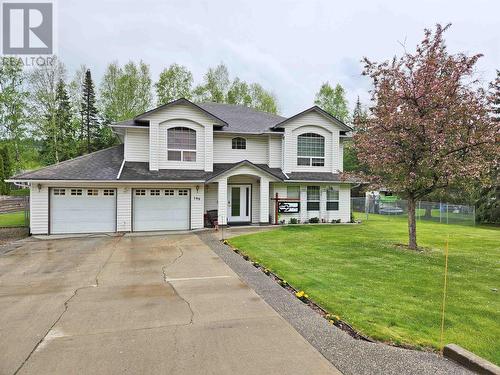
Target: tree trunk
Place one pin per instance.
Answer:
(412, 225)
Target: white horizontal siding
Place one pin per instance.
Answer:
(256, 149)
(163, 162)
(210, 197)
(39, 203)
(275, 152)
(162, 119)
(137, 145)
(315, 123)
(39, 209)
(341, 157)
(124, 209)
(197, 207)
(344, 212)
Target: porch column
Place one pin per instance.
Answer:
(322, 203)
(222, 201)
(303, 204)
(264, 200)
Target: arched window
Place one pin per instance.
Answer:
(239, 143)
(311, 150)
(181, 144)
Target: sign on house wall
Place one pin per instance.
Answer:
(288, 207)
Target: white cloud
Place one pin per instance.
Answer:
(290, 47)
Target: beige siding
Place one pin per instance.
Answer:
(161, 120)
(275, 152)
(256, 151)
(137, 145)
(39, 209)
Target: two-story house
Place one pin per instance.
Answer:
(180, 160)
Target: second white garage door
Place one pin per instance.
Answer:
(161, 209)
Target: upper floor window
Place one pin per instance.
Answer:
(181, 144)
(239, 143)
(311, 150)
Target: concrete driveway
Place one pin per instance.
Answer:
(155, 304)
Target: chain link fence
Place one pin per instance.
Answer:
(14, 211)
(439, 212)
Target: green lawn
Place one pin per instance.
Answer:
(392, 294)
(12, 219)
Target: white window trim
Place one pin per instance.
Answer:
(330, 188)
(310, 158)
(315, 200)
(238, 138)
(183, 150)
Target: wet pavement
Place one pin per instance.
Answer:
(156, 304)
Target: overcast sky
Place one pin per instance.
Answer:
(290, 47)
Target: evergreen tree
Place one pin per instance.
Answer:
(6, 170)
(90, 128)
(3, 184)
(359, 114)
(67, 145)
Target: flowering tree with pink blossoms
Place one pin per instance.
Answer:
(429, 125)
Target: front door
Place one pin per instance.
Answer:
(239, 203)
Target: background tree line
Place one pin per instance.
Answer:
(47, 117)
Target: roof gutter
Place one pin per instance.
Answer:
(322, 182)
(108, 181)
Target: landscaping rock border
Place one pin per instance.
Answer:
(349, 355)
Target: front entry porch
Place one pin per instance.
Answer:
(240, 196)
(239, 203)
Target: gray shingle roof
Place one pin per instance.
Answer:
(242, 119)
(105, 165)
(100, 165)
(236, 118)
(139, 171)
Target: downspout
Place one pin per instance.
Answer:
(121, 169)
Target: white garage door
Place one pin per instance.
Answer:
(161, 209)
(82, 210)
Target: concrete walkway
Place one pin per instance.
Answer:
(158, 304)
(349, 355)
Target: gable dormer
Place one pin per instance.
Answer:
(180, 136)
(312, 142)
